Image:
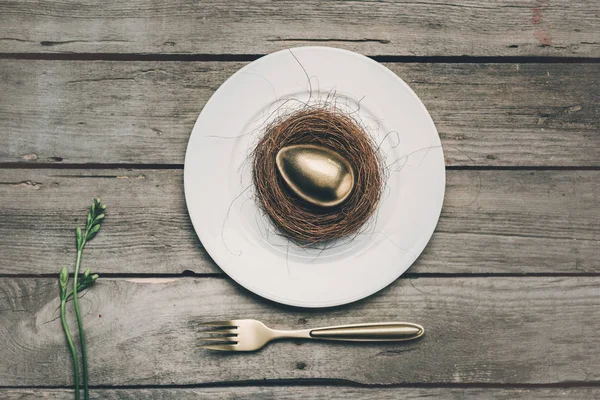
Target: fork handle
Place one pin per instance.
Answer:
(376, 332)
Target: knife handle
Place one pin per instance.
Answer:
(376, 332)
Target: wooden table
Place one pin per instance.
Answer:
(99, 99)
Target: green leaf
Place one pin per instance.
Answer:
(92, 232)
(89, 219)
(78, 236)
(93, 208)
(98, 218)
(87, 273)
(87, 282)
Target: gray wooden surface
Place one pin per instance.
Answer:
(527, 222)
(99, 99)
(423, 28)
(308, 393)
(143, 112)
(143, 331)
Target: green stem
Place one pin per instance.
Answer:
(70, 294)
(79, 320)
(63, 318)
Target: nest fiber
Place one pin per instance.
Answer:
(297, 219)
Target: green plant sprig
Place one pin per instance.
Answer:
(94, 219)
(64, 295)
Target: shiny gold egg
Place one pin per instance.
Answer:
(316, 174)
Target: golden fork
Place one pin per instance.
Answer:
(251, 335)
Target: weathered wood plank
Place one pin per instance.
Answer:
(143, 112)
(306, 393)
(527, 222)
(461, 27)
(144, 332)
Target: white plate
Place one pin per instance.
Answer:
(238, 236)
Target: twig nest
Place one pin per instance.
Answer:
(306, 201)
(316, 174)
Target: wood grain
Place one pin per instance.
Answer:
(144, 332)
(306, 393)
(461, 27)
(143, 112)
(482, 332)
(491, 222)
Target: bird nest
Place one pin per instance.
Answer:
(299, 220)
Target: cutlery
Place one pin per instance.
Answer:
(251, 335)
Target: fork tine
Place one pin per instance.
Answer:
(224, 347)
(224, 340)
(224, 332)
(217, 323)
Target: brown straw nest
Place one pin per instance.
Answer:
(300, 221)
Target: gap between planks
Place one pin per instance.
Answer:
(416, 275)
(320, 382)
(252, 57)
(92, 166)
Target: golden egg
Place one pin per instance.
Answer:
(316, 174)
